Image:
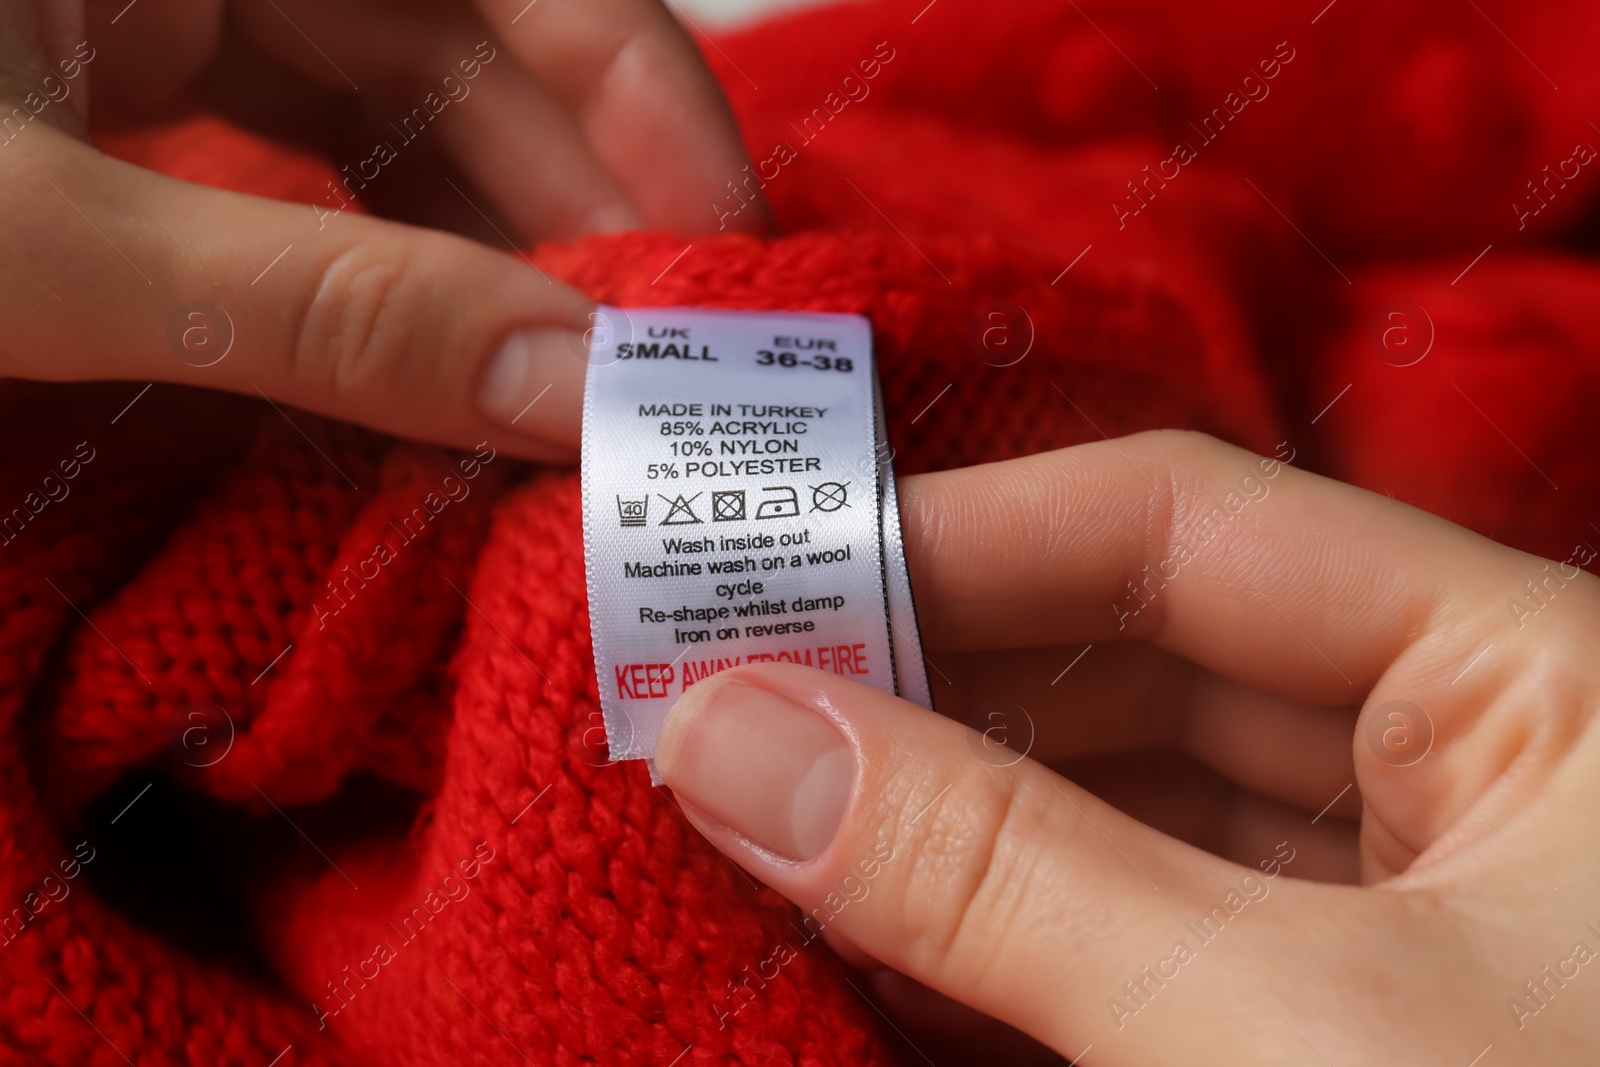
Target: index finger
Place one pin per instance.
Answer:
(109, 271)
(645, 98)
(1293, 583)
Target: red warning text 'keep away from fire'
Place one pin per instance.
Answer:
(647, 681)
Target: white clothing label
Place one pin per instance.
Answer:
(738, 507)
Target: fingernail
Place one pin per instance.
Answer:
(775, 771)
(519, 375)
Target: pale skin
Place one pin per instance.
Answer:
(1400, 920)
(1394, 922)
(548, 111)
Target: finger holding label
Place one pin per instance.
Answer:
(1015, 891)
(1009, 888)
(1282, 581)
(414, 332)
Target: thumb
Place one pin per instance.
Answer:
(1004, 887)
(110, 271)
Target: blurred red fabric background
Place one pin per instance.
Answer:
(1355, 235)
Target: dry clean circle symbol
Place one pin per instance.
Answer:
(829, 496)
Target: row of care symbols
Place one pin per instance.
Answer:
(729, 505)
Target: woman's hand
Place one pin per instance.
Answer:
(1347, 690)
(567, 116)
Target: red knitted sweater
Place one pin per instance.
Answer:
(266, 792)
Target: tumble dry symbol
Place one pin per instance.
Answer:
(679, 513)
(829, 496)
(632, 512)
(727, 505)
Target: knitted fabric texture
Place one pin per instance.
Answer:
(269, 789)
